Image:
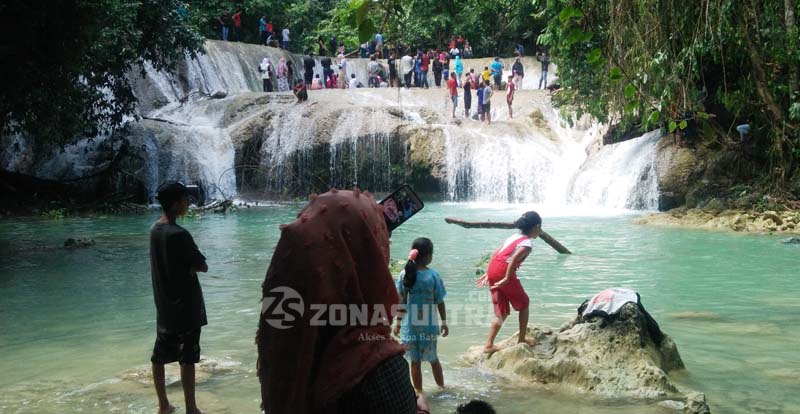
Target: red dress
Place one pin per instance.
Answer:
(512, 292)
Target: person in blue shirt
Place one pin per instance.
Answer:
(421, 290)
(497, 72)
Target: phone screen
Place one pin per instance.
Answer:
(400, 206)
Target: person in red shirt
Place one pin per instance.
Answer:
(423, 67)
(237, 25)
(452, 91)
(510, 88)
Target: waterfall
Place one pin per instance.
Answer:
(209, 114)
(619, 176)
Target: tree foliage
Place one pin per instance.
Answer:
(65, 62)
(700, 65)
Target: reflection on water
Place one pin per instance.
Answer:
(78, 326)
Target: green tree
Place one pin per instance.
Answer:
(677, 63)
(65, 62)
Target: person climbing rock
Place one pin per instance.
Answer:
(501, 277)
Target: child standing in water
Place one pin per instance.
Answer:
(502, 278)
(420, 289)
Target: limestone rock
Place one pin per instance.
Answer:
(617, 359)
(676, 167)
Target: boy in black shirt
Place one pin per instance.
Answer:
(174, 261)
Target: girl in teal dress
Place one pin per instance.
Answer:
(422, 291)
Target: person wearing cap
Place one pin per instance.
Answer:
(501, 276)
(180, 308)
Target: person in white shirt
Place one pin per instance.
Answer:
(285, 38)
(265, 68)
(353, 81)
(407, 64)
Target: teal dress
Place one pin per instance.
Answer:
(420, 327)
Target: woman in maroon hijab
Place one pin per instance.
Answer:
(335, 253)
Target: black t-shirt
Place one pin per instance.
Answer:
(392, 68)
(309, 64)
(176, 289)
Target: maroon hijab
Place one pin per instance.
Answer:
(335, 252)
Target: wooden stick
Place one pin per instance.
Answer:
(505, 225)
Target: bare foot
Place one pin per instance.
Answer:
(530, 342)
(166, 410)
(491, 349)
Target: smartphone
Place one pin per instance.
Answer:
(400, 206)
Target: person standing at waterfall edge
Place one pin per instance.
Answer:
(237, 25)
(407, 64)
(519, 73)
(393, 70)
(459, 68)
(283, 72)
(342, 79)
(285, 38)
(501, 277)
(497, 73)
(467, 97)
(180, 308)
(545, 59)
(510, 94)
(487, 102)
(452, 91)
(266, 74)
(308, 67)
(480, 101)
(225, 25)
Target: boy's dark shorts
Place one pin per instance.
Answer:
(181, 347)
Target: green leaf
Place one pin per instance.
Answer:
(708, 131)
(683, 124)
(672, 126)
(615, 75)
(653, 118)
(630, 90)
(594, 56)
(361, 11)
(631, 106)
(569, 13)
(366, 30)
(574, 36)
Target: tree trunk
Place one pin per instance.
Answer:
(504, 225)
(791, 30)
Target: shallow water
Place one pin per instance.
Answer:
(76, 323)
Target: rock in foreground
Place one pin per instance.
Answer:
(616, 359)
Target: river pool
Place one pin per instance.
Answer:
(78, 325)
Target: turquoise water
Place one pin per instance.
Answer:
(76, 323)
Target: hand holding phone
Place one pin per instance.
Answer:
(400, 206)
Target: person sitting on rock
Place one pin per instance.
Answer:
(300, 91)
(503, 282)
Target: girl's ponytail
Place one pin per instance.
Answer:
(422, 247)
(410, 276)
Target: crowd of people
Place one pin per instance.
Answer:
(336, 252)
(408, 68)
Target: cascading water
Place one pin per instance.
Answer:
(199, 120)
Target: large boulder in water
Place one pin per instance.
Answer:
(615, 358)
